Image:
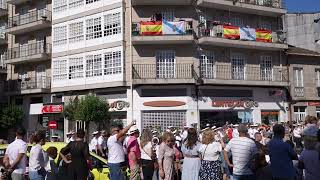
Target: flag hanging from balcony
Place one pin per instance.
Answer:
(153, 28)
(231, 32)
(173, 27)
(264, 35)
(248, 34)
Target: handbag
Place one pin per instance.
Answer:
(202, 155)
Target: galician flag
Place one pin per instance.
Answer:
(173, 27)
(248, 34)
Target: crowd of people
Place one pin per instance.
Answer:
(232, 152)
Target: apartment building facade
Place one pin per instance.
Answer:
(3, 47)
(206, 61)
(304, 73)
(28, 58)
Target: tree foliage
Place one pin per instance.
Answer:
(10, 116)
(71, 108)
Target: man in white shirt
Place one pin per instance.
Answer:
(235, 133)
(102, 144)
(15, 159)
(116, 154)
(93, 147)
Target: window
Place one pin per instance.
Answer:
(168, 15)
(93, 27)
(237, 66)
(163, 119)
(298, 77)
(93, 65)
(299, 113)
(237, 21)
(76, 32)
(265, 25)
(207, 65)
(91, 1)
(75, 3)
(60, 35)
(112, 24)
(76, 68)
(59, 71)
(60, 5)
(317, 77)
(166, 63)
(266, 68)
(112, 63)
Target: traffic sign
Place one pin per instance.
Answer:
(52, 125)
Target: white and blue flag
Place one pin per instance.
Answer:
(173, 27)
(248, 34)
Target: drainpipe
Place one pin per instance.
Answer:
(131, 59)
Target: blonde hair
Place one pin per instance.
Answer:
(208, 137)
(167, 135)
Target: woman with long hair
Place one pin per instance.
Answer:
(147, 154)
(166, 157)
(38, 158)
(190, 150)
(210, 151)
(79, 150)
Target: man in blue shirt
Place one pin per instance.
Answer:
(281, 155)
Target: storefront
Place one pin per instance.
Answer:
(303, 108)
(52, 114)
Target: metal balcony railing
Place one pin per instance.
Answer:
(30, 17)
(187, 25)
(213, 30)
(266, 3)
(163, 71)
(24, 51)
(299, 91)
(246, 73)
(3, 4)
(28, 84)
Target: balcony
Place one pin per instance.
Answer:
(3, 8)
(28, 86)
(28, 53)
(244, 75)
(161, 2)
(158, 32)
(17, 2)
(154, 74)
(216, 36)
(298, 91)
(257, 7)
(3, 66)
(3, 37)
(31, 21)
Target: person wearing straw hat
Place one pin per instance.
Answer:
(93, 147)
(134, 153)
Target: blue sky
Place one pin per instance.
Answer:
(303, 5)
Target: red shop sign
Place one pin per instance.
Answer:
(235, 103)
(313, 103)
(52, 108)
(52, 125)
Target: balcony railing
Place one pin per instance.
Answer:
(157, 28)
(267, 3)
(27, 50)
(163, 71)
(249, 34)
(28, 84)
(246, 73)
(30, 17)
(299, 91)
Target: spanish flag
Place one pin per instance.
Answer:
(151, 28)
(231, 32)
(263, 35)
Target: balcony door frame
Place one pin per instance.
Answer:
(166, 64)
(207, 64)
(41, 75)
(266, 68)
(238, 66)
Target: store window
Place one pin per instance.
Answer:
(112, 24)
(166, 64)
(112, 63)
(76, 68)
(59, 69)
(93, 65)
(76, 32)
(60, 5)
(299, 113)
(267, 117)
(207, 65)
(93, 28)
(163, 119)
(60, 35)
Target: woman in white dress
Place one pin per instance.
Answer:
(191, 161)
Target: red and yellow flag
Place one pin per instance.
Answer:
(151, 28)
(263, 35)
(231, 32)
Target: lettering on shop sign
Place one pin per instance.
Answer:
(236, 103)
(313, 103)
(119, 105)
(52, 108)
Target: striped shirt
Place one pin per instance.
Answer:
(242, 149)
